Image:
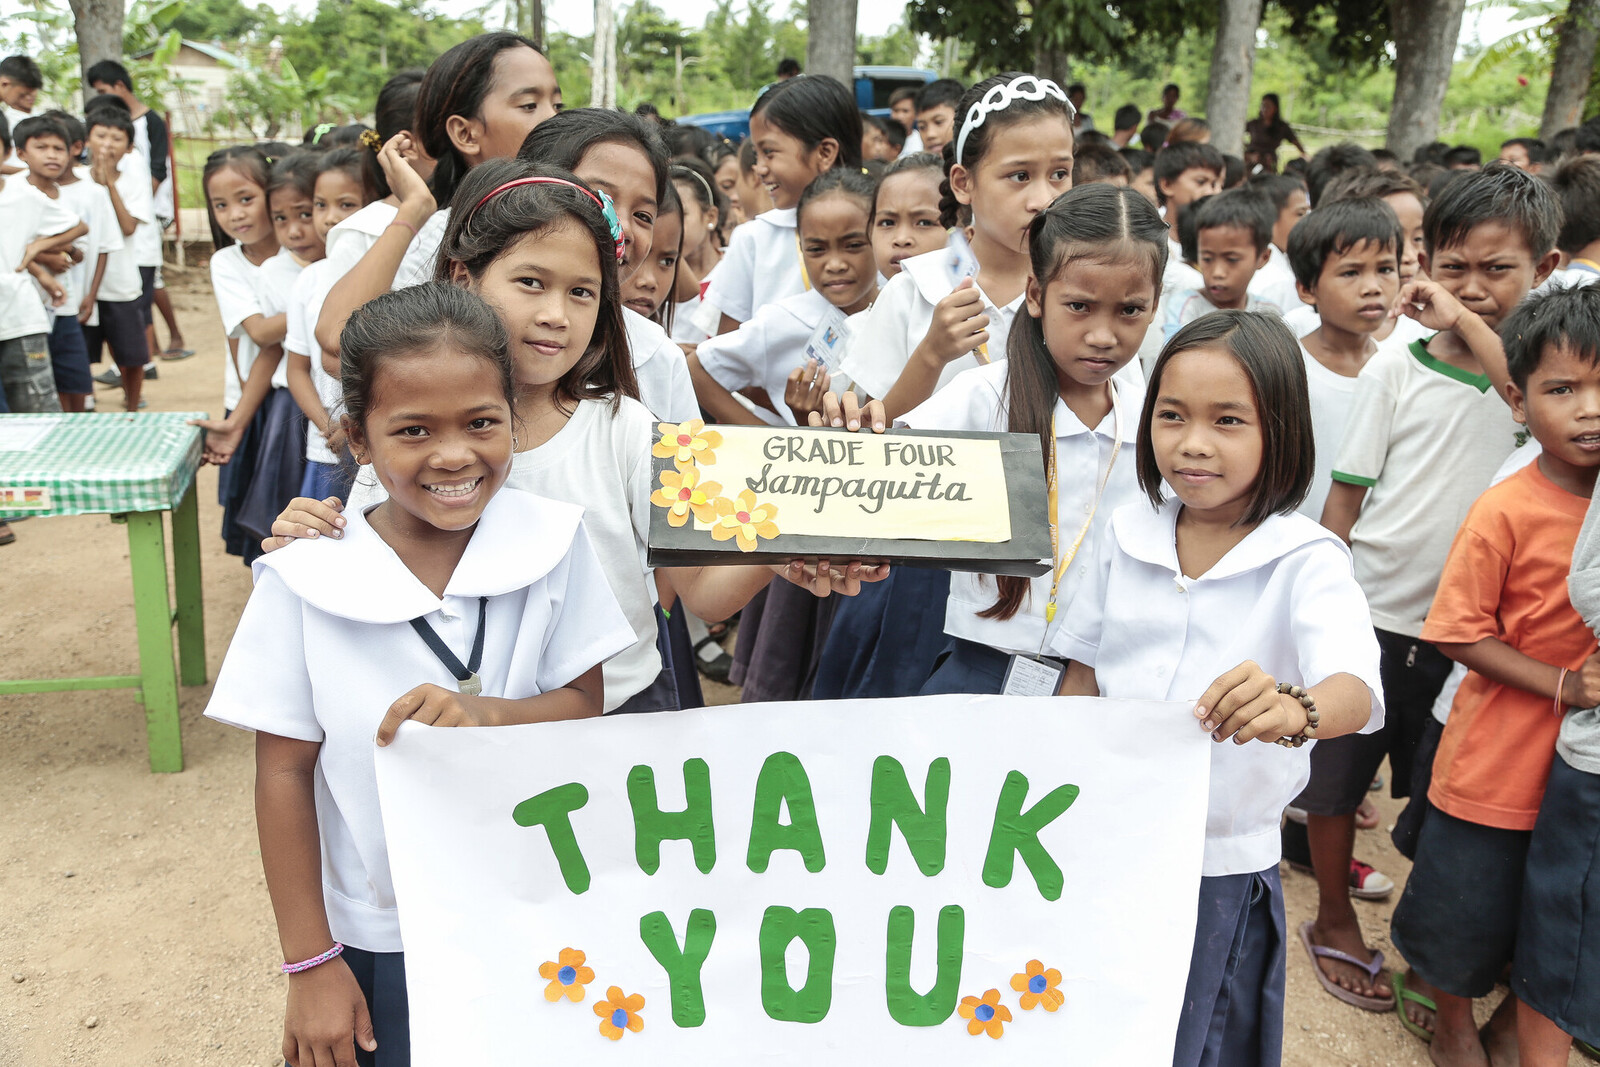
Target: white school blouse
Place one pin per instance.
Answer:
(350, 239)
(273, 287)
(761, 352)
(1285, 597)
(601, 462)
(762, 265)
(899, 319)
(324, 647)
(305, 304)
(662, 370)
(978, 400)
(233, 283)
(423, 251)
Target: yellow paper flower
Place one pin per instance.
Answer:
(687, 444)
(681, 493)
(567, 976)
(618, 1013)
(985, 1015)
(744, 519)
(1038, 987)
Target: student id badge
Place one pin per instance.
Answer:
(827, 343)
(1033, 676)
(959, 257)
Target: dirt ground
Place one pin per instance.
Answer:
(134, 921)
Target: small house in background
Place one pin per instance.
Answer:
(205, 68)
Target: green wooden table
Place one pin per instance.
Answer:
(132, 467)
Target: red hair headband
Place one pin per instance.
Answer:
(607, 208)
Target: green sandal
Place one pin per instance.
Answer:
(1401, 996)
(1588, 1050)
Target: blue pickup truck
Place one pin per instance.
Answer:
(873, 86)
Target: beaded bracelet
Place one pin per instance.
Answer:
(1308, 702)
(314, 961)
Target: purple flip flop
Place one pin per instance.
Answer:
(1315, 952)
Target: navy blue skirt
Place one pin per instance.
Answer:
(382, 978)
(779, 647)
(884, 642)
(279, 467)
(968, 667)
(233, 482)
(322, 480)
(1233, 1003)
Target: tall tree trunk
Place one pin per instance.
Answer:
(1425, 36)
(1233, 61)
(831, 39)
(98, 25)
(603, 81)
(1572, 68)
(535, 26)
(1052, 63)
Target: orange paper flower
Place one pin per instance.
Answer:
(744, 519)
(618, 1013)
(681, 493)
(567, 976)
(688, 443)
(985, 1015)
(1038, 987)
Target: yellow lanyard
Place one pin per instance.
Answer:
(1585, 264)
(805, 278)
(981, 353)
(1062, 563)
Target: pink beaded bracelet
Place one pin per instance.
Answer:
(314, 961)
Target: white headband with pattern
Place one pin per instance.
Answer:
(1023, 87)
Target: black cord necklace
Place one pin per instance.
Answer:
(466, 675)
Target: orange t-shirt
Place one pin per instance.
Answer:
(1506, 577)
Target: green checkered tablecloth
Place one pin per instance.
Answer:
(96, 462)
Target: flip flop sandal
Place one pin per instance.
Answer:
(1372, 968)
(8, 536)
(1588, 1049)
(1402, 995)
(173, 354)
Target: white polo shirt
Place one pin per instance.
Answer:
(979, 400)
(761, 266)
(762, 351)
(325, 646)
(1285, 597)
(898, 321)
(662, 370)
(599, 460)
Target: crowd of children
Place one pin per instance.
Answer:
(1320, 449)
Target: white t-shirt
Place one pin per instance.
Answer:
(662, 370)
(13, 116)
(600, 461)
(978, 399)
(1186, 306)
(763, 350)
(1331, 397)
(1284, 597)
(1303, 319)
(350, 239)
(422, 254)
(1275, 283)
(26, 214)
(305, 304)
(325, 646)
(882, 345)
(120, 281)
(133, 182)
(273, 287)
(762, 265)
(234, 283)
(1424, 438)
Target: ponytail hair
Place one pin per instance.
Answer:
(813, 108)
(247, 160)
(1102, 223)
(481, 230)
(975, 146)
(456, 84)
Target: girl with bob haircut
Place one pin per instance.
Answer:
(1217, 567)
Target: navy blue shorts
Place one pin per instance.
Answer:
(1557, 969)
(147, 277)
(1456, 922)
(122, 329)
(69, 356)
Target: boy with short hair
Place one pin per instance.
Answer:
(1142, 173)
(1184, 173)
(121, 325)
(1502, 610)
(1425, 436)
(1233, 232)
(20, 82)
(1525, 153)
(1577, 186)
(1275, 283)
(1099, 163)
(32, 223)
(1125, 125)
(936, 113)
(44, 146)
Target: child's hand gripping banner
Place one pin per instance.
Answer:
(936, 880)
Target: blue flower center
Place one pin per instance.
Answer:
(1037, 984)
(567, 975)
(619, 1019)
(983, 1013)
